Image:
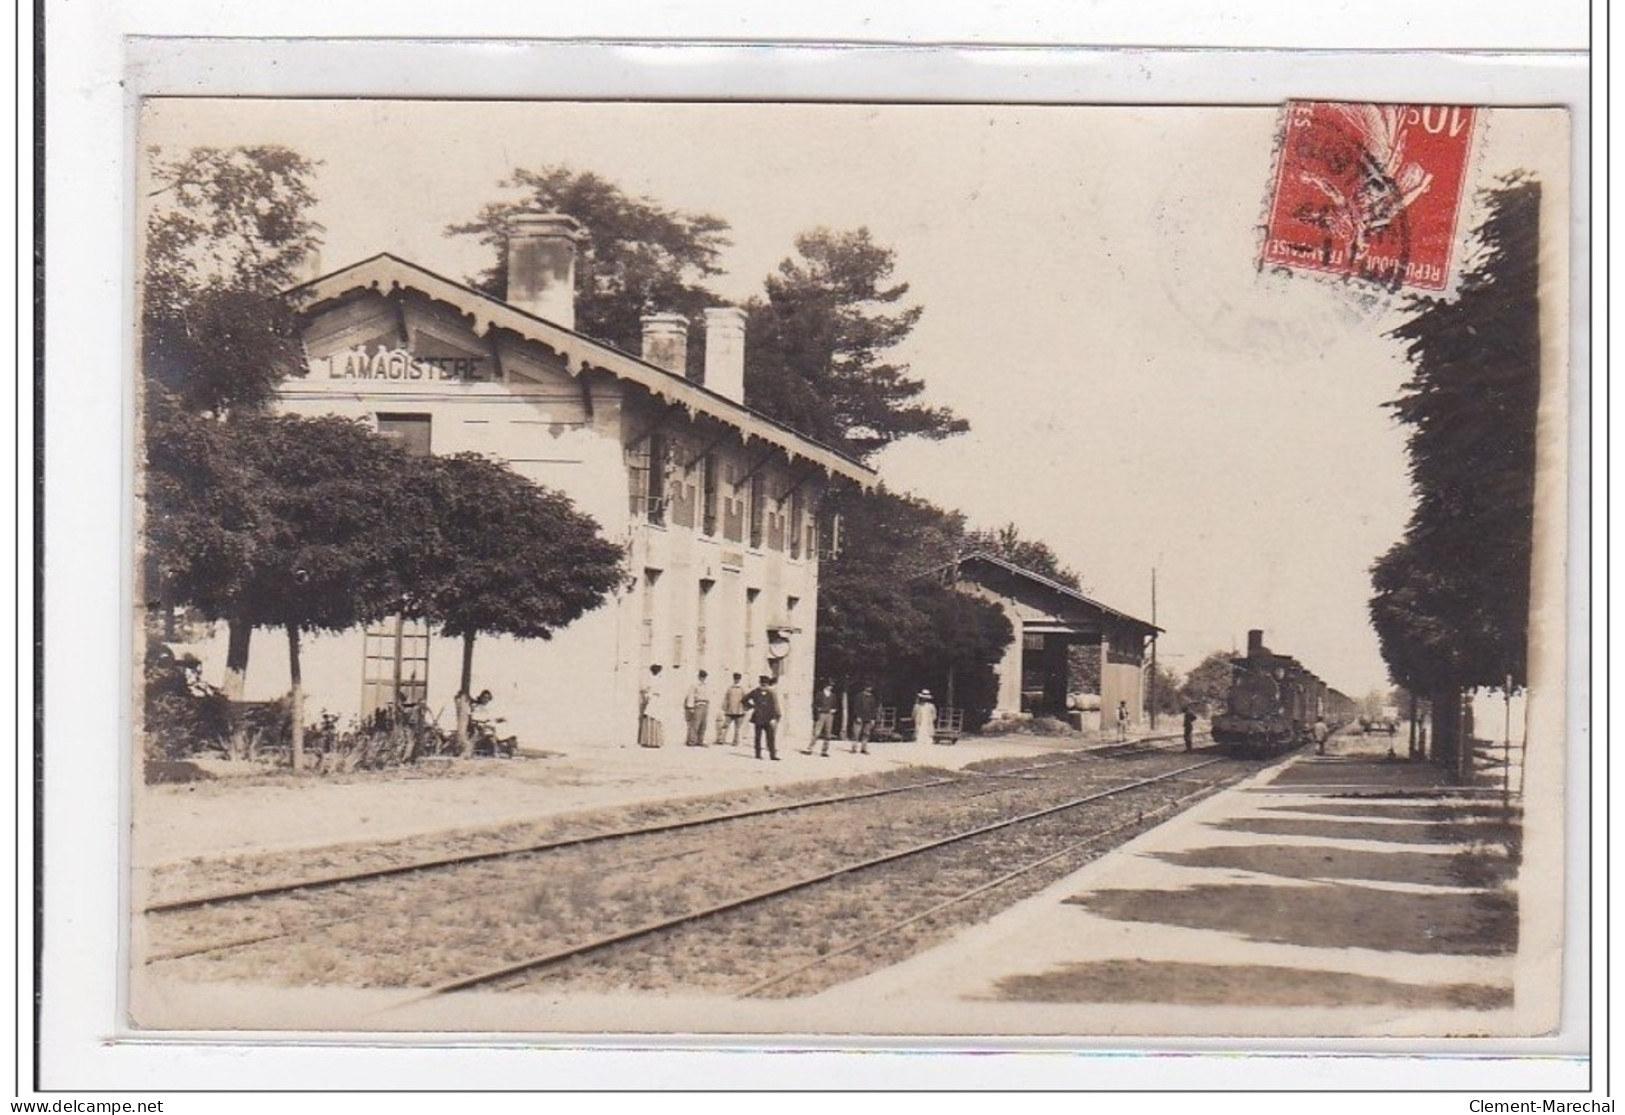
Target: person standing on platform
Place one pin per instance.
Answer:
(651, 728)
(864, 712)
(1122, 720)
(1321, 733)
(823, 719)
(733, 711)
(697, 707)
(925, 717)
(1190, 726)
(763, 704)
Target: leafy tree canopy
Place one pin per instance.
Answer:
(227, 230)
(276, 521)
(816, 347)
(1208, 683)
(513, 558)
(1451, 601)
(1029, 553)
(638, 256)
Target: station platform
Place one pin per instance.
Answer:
(1349, 894)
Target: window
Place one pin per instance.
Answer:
(701, 620)
(409, 431)
(758, 510)
(650, 577)
(708, 495)
(646, 476)
(751, 596)
(795, 524)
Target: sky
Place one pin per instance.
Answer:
(1141, 396)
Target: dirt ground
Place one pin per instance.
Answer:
(245, 807)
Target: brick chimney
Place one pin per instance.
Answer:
(1255, 643)
(665, 342)
(542, 266)
(725, 352)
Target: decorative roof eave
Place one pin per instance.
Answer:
(386, 273)
(1051, 586)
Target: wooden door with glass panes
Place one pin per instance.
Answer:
(395, 669)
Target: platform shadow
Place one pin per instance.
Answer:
(1296, 861)
(1328, 915)
(1468, 832)
(1179, 983)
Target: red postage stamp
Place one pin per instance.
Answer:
(1370, 191)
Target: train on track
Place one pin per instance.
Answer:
(1274, 702)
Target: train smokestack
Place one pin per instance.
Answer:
(1255, 643)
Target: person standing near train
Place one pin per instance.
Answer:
(864, 712)
(763, 704)
(1321, 734)
(1190, 725)
(925, 717)
(696, 709)
(823, 718)
(651, 711)
(733, 711)
(1122, 720)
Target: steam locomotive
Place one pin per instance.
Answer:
(1274, 702)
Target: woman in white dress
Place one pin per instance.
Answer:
(925, 717)
(651, 711)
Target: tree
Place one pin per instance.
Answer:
(1163, 690)
(966, 638)
(886, 617)
(513, 558)
(307, 524)
(1451, 601)
(816, 348)
(638, 256)
(227, 230)
(1208, 683)
(1029, 553)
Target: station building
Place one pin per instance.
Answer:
(1050, 619)
(719, 508)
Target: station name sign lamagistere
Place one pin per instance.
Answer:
(396, 364)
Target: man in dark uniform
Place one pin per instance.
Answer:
(863, 718)
(763, 704)
(1190, 725)
(823, 718)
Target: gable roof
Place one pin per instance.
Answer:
(387, 273)
(1049, 585)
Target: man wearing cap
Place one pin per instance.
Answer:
(823, 718)
(733, 711)
(864, 712)
(696, 707)
(764, 715)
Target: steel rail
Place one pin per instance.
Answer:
(261, 938)
(330, 923)
(327, 881)
(571, 952)
(947, 903)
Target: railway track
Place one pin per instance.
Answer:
(534, 964)
(486, 888)
(194, 902)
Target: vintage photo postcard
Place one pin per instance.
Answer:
(849, 569)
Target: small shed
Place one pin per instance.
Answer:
(1050, 619)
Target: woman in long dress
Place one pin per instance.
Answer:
(925, 717)
(651, 711)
